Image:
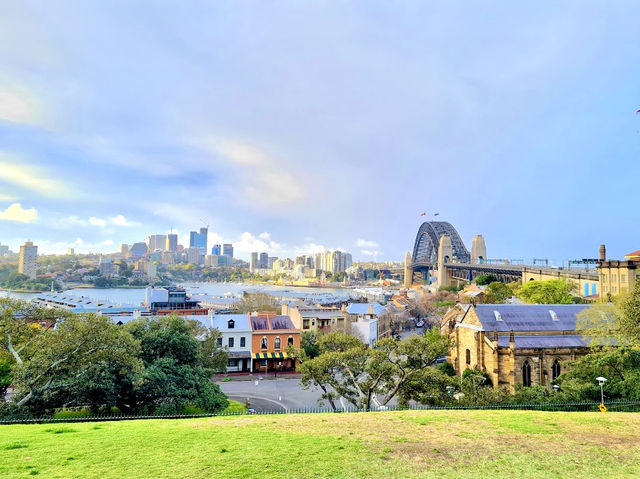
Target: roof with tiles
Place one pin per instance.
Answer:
(263, 323)
(529, 317)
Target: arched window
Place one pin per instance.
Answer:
(468, 356)
(526, 374)
(290, 341)
(555, 370)
(263, 343)
(276, 343)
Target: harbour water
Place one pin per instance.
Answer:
(203, 291)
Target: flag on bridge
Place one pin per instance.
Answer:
(436, 214)
(423, 214)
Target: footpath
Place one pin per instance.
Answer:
(256, 376)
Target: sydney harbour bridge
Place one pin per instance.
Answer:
(439, 247)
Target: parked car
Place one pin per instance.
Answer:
(420, 323)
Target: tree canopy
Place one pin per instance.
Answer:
(553, 291)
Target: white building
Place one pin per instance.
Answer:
(235, 338)
(27, 263)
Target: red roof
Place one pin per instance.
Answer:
(635, 254)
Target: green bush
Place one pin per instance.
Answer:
(72, 413)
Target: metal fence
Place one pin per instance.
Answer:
(612, 406)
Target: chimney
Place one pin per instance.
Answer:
(512, 341)
(210, 314)
(603, 253)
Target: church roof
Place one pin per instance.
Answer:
(529, 317)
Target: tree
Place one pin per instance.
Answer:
(309, 344)
(258, 302)
(485, 279)
(615, 339)
(346, 367)
(175, 375)
(5, 374)
(70, 358)
(553, 291)
(497, 292)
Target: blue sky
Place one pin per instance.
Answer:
(297, 126)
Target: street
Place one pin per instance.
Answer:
(272, 394)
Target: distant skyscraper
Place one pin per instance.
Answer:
(138, 249)
(172, 243)
(124, 248)
(193, 255)
(254, 263)
(155, 242)
(105, 265)
(199, 240)
(217, 249)
(227, 250)
(27, 263)
(71, 251)
(4, 250)
(264, 260)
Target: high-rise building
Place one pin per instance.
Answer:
(124, 248)
(272, 259)
(264, 260)
(211, 260)
(253, 262)
(171, 243)
(28, 261)
(4, 250)
(155, 242)
(71, 251)
(105, 265)
(217, 249)
(227, 250)
(199, 240)
(193, 255)
(138, 249)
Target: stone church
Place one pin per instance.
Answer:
(515, 343)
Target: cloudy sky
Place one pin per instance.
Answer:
(296, 126)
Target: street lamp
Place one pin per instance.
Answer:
(556, 388)
(601, 382)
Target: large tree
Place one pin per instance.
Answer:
(63, 364)
(175, 375)
(348, 368)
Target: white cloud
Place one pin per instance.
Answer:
(373, 253)
(15, 172)
(18, 105)
(15, 212)
(119, 220)
(79, 245)
(4, 197)
(248, 243)
(262, 179)
(363, 243)
(99, 222)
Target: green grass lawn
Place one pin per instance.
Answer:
(402, 444)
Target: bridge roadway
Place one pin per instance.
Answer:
(514, 269)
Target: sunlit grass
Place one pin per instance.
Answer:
(411, 444)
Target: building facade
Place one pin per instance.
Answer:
(28, 260)
(235, 337)
(272, 335)
(516, 344)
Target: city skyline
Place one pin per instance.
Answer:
(293, 130)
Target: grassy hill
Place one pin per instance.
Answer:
(402, 444)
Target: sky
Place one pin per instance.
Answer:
(296, 126)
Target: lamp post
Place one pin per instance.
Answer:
(601, 380)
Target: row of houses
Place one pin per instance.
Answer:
(259, 342)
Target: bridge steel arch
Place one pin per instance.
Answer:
(425, 248)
